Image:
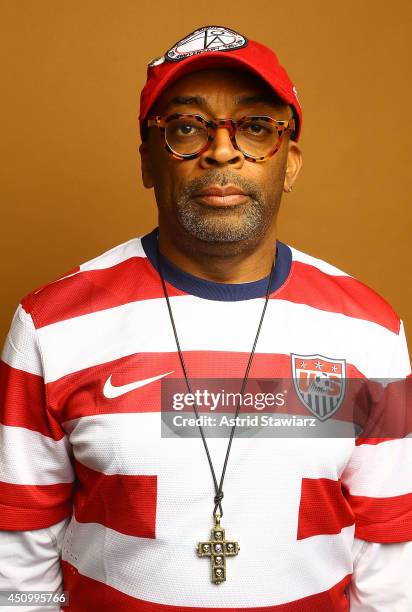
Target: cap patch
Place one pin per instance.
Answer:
(207, 39)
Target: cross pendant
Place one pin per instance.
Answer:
(217, 548)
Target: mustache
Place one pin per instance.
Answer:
(221, 179)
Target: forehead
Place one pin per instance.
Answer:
(232, 84)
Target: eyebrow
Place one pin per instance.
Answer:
(255, 99)
(202, 102)
(198, 100)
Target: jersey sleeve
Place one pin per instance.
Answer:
(30, 561)
(377, 481)
(381, 577)
(36, 474)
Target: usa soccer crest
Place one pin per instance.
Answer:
(320, 383)
(209, 38)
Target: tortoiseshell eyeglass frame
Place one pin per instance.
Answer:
(281, 125)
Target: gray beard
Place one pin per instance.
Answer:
(231, 224)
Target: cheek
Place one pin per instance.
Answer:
(170, 177)
(264, 176)
(274, 172)
(161, 170)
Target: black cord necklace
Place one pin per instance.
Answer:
(217, 548)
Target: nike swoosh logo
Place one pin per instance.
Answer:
(110, 391)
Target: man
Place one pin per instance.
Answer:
(310, 524)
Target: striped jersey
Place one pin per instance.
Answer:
(80, 431)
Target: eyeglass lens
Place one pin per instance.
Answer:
(255, 136)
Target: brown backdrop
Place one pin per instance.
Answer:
(70, 178)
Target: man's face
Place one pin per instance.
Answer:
(187, 207)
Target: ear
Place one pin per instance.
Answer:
(146, 165)
(294, 164)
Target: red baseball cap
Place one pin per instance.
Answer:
(218, 47)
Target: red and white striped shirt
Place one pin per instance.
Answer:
(134, 504)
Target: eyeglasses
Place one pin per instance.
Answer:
(187, 136)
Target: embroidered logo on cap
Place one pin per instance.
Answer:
(207, 39)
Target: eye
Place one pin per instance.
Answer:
(186, 129)
(256, 129)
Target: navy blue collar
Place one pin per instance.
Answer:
(211, 290)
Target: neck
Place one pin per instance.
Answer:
(220, 262)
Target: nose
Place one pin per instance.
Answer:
(221, 151)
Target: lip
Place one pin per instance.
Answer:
(220, 191)
(222, 196)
